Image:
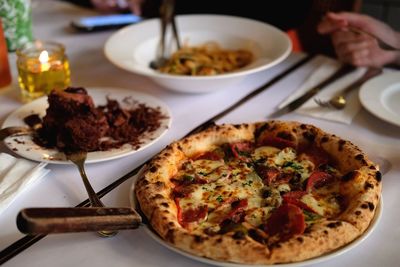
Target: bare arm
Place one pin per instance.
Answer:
(352, 37)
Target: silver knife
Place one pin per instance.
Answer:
(295, 104)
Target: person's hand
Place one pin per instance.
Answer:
(136, 6)
(110, 6)
(352, 37)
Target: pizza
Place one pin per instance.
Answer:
(260, 193)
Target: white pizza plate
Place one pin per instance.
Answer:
(328, 256)
(25, 147)
(381, 97)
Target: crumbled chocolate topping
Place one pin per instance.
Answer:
(73, 123)
(33, 120)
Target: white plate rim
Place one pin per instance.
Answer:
(108, 47)
(371, 93)
(318, 259)
(98, 94)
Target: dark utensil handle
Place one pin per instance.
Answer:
(84, 219)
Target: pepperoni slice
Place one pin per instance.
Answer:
(181, 191)
(284, 178)
(271, 175)
(240, 150)
(276, 142)
(316, 155)
(190, 215)
(236, 214)
(267, 174)
(286, 221)
(211, 155)
(194, 215)
(294, 197)
(319, 179)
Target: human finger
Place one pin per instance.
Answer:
(364, 23)
(366, 53)
(343, 36)
(348, 37)
(356, 47)
(136, 7)
(359, 58)
(109, 6)
(329, 25)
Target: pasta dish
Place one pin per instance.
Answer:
(208, 59)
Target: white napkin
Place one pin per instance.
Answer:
(324, 68)
(16, 175)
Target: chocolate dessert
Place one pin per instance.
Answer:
(73, 123)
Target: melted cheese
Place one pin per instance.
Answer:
(285, 155)
(264, 152)
(205, 166)
(306, 170)
(311, 202)
(237, 180)
(258, 216)
(325, 206)
(246, 186)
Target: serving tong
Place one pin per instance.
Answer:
(105, 220)
(167, 17)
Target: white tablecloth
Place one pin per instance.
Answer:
(63, 186)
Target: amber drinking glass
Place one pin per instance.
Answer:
(42, 67)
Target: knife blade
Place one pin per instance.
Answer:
(295, 104)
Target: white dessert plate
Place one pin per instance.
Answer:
(25, 147)
(381, 97)
(326, 257)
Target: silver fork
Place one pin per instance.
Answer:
(338, 101)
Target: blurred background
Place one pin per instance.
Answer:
(385, 10)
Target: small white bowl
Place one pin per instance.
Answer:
(134, 47)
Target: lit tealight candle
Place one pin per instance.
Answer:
(42, 67)
(44, 61)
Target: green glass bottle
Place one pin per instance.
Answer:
(17, 22)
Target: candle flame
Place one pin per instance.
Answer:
(44, 57)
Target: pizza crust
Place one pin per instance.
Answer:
(319, 239)
(362, 188)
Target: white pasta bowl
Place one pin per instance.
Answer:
(134, 47)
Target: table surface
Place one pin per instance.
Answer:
(63, 186)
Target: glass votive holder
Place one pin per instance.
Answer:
(42, 67)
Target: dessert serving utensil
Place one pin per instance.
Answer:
(14, 131)
(79, 158)
(61, 220)
(78, 219)
(105, 220)
(34, 122)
